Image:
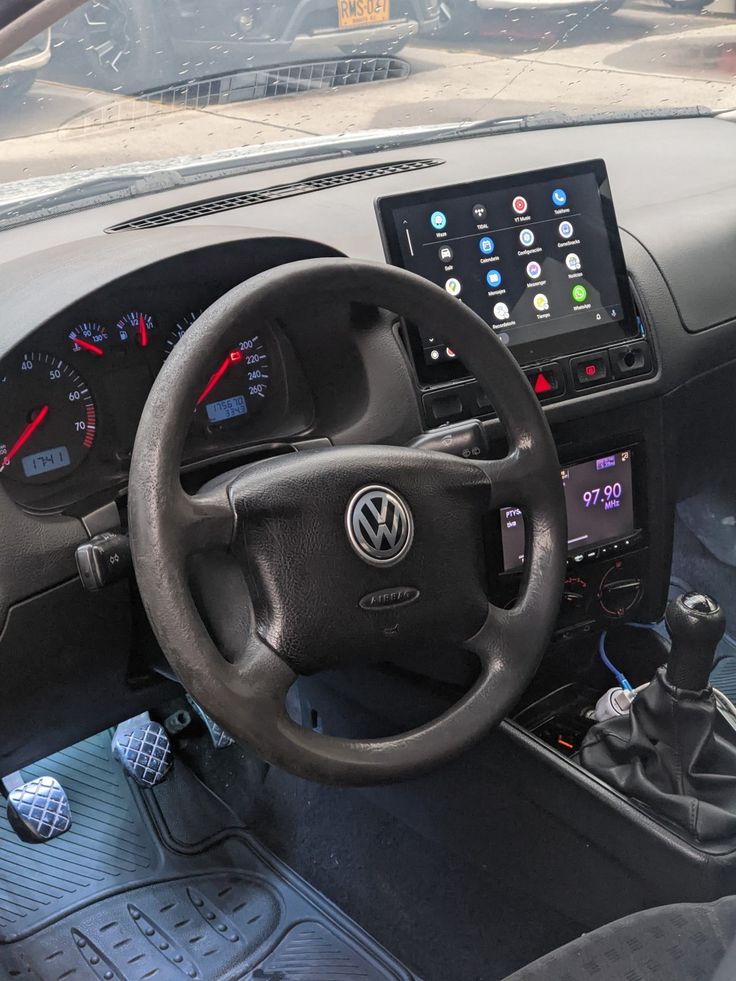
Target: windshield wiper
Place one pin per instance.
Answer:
(557, 120)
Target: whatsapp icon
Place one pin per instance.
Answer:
(579, 293)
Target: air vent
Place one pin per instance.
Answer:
(213, 206)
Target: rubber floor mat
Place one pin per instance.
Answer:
(108, 844)
(165, 885)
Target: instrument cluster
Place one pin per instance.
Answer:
(72, 395)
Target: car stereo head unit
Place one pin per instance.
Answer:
(536, 255)
(599, 497)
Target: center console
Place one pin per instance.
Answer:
(607, 527)
(538, 257)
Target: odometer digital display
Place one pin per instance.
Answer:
(48, 418)
(45, 461)
(226, 408)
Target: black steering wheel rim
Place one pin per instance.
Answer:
(166, 525)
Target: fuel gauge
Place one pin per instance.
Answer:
(135, 326)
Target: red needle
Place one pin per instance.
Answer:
(230, 359)
(87, 346)
(142, 330)
(25, 435)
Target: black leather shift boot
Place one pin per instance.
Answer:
(675, 753)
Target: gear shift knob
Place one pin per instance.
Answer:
(695, 623)
(674, 752)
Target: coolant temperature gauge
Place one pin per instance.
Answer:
(89, 338)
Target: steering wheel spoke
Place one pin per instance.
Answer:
(510, 476)
(206, 519)
(501, 630)
(261, 673)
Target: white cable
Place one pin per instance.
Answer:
(725, 705)
(614, 703)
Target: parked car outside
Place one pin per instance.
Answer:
(132, 45)
(461, 18)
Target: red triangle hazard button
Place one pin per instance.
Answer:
(542, 384)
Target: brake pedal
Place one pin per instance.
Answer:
(220, 738)
(143, 750)
(38, 810)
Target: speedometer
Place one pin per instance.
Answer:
(239, 386)
(48, 418)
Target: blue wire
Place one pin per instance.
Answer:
(618, 675)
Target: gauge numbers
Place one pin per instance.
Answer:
(135, 326)
(89, 337)
(179, 331)
(240, 383)
(48, 418)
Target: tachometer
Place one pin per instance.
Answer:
(47, 418)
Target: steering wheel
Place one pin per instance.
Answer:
(317, 532)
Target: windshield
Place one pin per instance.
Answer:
(120, 88)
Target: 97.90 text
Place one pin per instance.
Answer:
(608, 497)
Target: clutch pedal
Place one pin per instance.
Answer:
(38, 810)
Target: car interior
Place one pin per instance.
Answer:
(368, 567)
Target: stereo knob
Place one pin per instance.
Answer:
(618, 592)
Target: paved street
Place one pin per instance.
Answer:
(643, 56)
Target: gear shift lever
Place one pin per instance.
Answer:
(695, 623)
(675, 752)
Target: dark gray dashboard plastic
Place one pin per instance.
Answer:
(35, 288)
(36, 553)
(673, 183)
(694, 243)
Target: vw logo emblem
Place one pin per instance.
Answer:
(379, 525)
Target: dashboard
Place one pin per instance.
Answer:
(537, 255)
(94, 302)
(72, 395)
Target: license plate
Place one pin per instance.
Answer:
(361, 13)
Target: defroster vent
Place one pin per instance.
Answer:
(229, 202)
